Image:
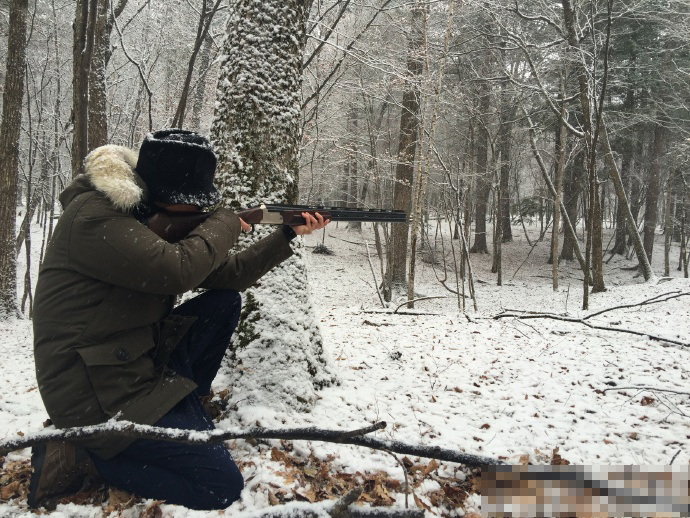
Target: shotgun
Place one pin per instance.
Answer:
(173, 226)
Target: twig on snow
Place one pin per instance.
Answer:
(376, 283)
(639, 387)
(523, 314)
(416, 300)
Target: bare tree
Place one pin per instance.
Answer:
(9, 153)
(407, 146)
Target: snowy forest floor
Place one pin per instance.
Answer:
(519, 390)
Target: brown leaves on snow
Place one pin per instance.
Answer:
(314, 480)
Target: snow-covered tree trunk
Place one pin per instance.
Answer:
(277, 358)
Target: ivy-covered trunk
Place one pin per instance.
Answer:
(277, 358)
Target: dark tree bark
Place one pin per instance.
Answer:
(407, 147)
(505, 143)
(82, 49)
(97, 132)
(626, 164)
(93, 23)
(9, 153)
(591, 129)
(483, 189)
(353, 198)
(571, 192)
(651, 209)
(619, 244)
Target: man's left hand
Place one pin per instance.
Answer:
(314, 222)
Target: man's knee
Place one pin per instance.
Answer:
(227, 486)
(226, 298)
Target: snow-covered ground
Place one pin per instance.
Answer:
(505, 388)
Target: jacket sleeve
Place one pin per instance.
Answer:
(240, 271)
(116, 248)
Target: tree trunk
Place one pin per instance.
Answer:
(277, 358)
(407, 147)
(9, 153)
(668, 226)
(571, 193)
(483, 189)
(353, 198)
(505, 143)
(623, 200)
(621, 226)
(97, 133)
(590, 129)
(559, 152)
(82, 52)
(651, 209)
(199, 93)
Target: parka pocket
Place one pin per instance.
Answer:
(119, 369)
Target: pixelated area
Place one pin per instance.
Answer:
(584, 491)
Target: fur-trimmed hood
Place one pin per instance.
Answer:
(111, 171)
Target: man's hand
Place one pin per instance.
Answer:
(246, 227)
(312, 223)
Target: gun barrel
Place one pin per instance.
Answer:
(345, 214)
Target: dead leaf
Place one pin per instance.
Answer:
(524, 459)
(9, 490)
(647, 400)
(279, 456)
(381, 492)
(120, 499)
(272, 499)
(557, 460)
(420, 503)
(153, 510)
(485, 426)
(430, 467)
(307, 494)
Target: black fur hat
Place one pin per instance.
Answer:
(178, 167)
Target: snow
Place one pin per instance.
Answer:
(503, 388)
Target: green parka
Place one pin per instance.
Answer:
(102, 324)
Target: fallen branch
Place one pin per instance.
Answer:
(416, 300)
(651, 389)
(523, 314)
(654, 300)
(140, 431)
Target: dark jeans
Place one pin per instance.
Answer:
(196, 476)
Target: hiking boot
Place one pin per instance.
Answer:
(60, 468)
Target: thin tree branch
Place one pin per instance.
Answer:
(140, 431)
(640, 387)
(592, 326)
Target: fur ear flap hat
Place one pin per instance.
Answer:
(178, 167)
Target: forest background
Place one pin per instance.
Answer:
(469, 113)
(483, 120)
